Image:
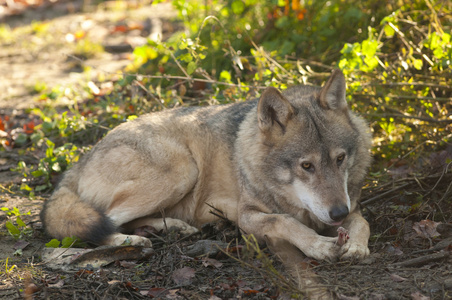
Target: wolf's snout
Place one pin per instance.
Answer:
(338, 213)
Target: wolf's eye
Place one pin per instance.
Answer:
(340, 159)
(307, 166)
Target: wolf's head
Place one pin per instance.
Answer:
(311, 144)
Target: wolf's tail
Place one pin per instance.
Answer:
(66, 215)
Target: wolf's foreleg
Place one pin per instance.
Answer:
(358, 230)
(273, 227)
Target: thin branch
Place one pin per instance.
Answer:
(149, 93)
(441, 99)
(419, 261)
(408, 117)
(190, 79)
(268, 57)
(422, 84)
(409, 43)
(179, 65)
(378, 197)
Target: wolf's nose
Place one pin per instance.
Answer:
(338, 213)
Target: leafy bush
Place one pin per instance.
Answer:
(396, 57)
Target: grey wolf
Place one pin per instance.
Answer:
(287, 167)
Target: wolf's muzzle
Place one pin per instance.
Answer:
(338, 213)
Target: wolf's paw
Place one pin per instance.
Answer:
(123, 239)
(188, 230)
(181, 226)
(354, 251)
(324, 248)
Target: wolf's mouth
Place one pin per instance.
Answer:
(336, 223)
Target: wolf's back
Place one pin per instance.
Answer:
(65, 214)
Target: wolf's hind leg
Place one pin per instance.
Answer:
(118, 239)
(163, 224)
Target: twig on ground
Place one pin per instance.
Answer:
(378, 197)
(419, 261)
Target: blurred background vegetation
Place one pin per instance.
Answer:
(396, 56)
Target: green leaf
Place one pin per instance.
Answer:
(389, 31)
(48, 126)
(187, 57)
(191, 67)
(439, 53)
(20, 223)
(183, 45)
(68, 242)
(37, 173)
(371, 62)
(21, 139)
(54, 243)
(369, 48)
(348, 48)
(12, 229)
(35, 137)
(237, 7)
(41, 187)
(25, 187)
(225, 75)
(417, 64)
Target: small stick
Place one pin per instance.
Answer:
(419, 261)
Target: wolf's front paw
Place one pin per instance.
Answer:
(324, 248)
(354, 251)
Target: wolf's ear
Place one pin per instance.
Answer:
(332, 95)
(273, 108)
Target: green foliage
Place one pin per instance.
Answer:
(56, 160)
(398, 69)
(85, 48)
(67, 242)
(9, 269)
(396, 57)
(360, 56)
(20, 230)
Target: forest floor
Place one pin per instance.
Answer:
(410, 254)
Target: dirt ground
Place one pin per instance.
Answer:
(410, 255)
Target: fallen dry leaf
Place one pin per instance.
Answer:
(250, 292)
(419, 296)
(183, 276)
(397, 278)
(57, 285)
(157, 292)
(345, 297)
(21, 245)
(426, 229)
(206, 262)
